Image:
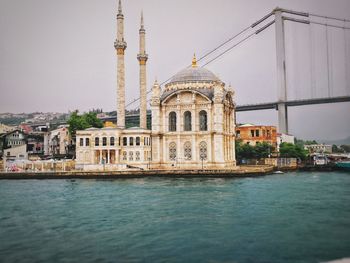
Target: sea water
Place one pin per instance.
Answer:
(291, 217)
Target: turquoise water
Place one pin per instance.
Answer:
(293, 217)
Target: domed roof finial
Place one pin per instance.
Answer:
(194, 61)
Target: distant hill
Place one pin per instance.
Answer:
(345, 141)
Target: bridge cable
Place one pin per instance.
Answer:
(230, 48)
(328, 25)
(221, 45)
(329, 17)
(201, 58)
(227, 50)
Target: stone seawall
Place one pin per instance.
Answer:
(242, 171)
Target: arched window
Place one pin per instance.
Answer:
(137, 141)
(172, 151)
(187, 151)
(87, 142)
(81, 142)
(172, 121)
(97, 141)
(104, 141)
(131, 141)
(187, 121)
(203, 152)
(125, 141)
(203, 121)
(112, 141)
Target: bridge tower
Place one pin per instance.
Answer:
(281, 72)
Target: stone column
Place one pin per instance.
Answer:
(142, 58)
(120, 46)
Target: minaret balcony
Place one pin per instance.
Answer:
(120, 44)
(142, 57)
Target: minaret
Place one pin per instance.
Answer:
(142, 58)
(120, 46)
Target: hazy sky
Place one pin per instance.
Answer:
(59, 55)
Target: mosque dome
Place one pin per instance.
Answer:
(194, 74)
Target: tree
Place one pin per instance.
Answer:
(337, 149)
(289, 150)
(247, 151)
(345, 148)
(263, 150)
(81, 122)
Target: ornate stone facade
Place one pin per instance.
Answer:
(193, 122)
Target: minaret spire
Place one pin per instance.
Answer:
(120, 7)
(120, 46)
(142, 58)
(142, 24)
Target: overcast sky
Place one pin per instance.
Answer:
(59, 55)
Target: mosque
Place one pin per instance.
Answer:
(193, 122)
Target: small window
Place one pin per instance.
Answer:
(81, 142)
(257, 133)
(131, 141)
(137, 157)
(112, 141)
(144, 141)
(124, 156)
(172, 121)
(131, 156)
(203, 121)
(97, 141)
(104, 141)
(187, 121)
(87, 142)
(125, 141)
(119, 141)
(138, 141)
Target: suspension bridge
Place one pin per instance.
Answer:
(279, 17)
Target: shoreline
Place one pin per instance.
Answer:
(242, 171)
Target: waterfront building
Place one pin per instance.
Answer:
(193, 122)
(318, 148)
(254, 134)
(12, 139)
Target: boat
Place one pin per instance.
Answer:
(278, 172)
(345, 165)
